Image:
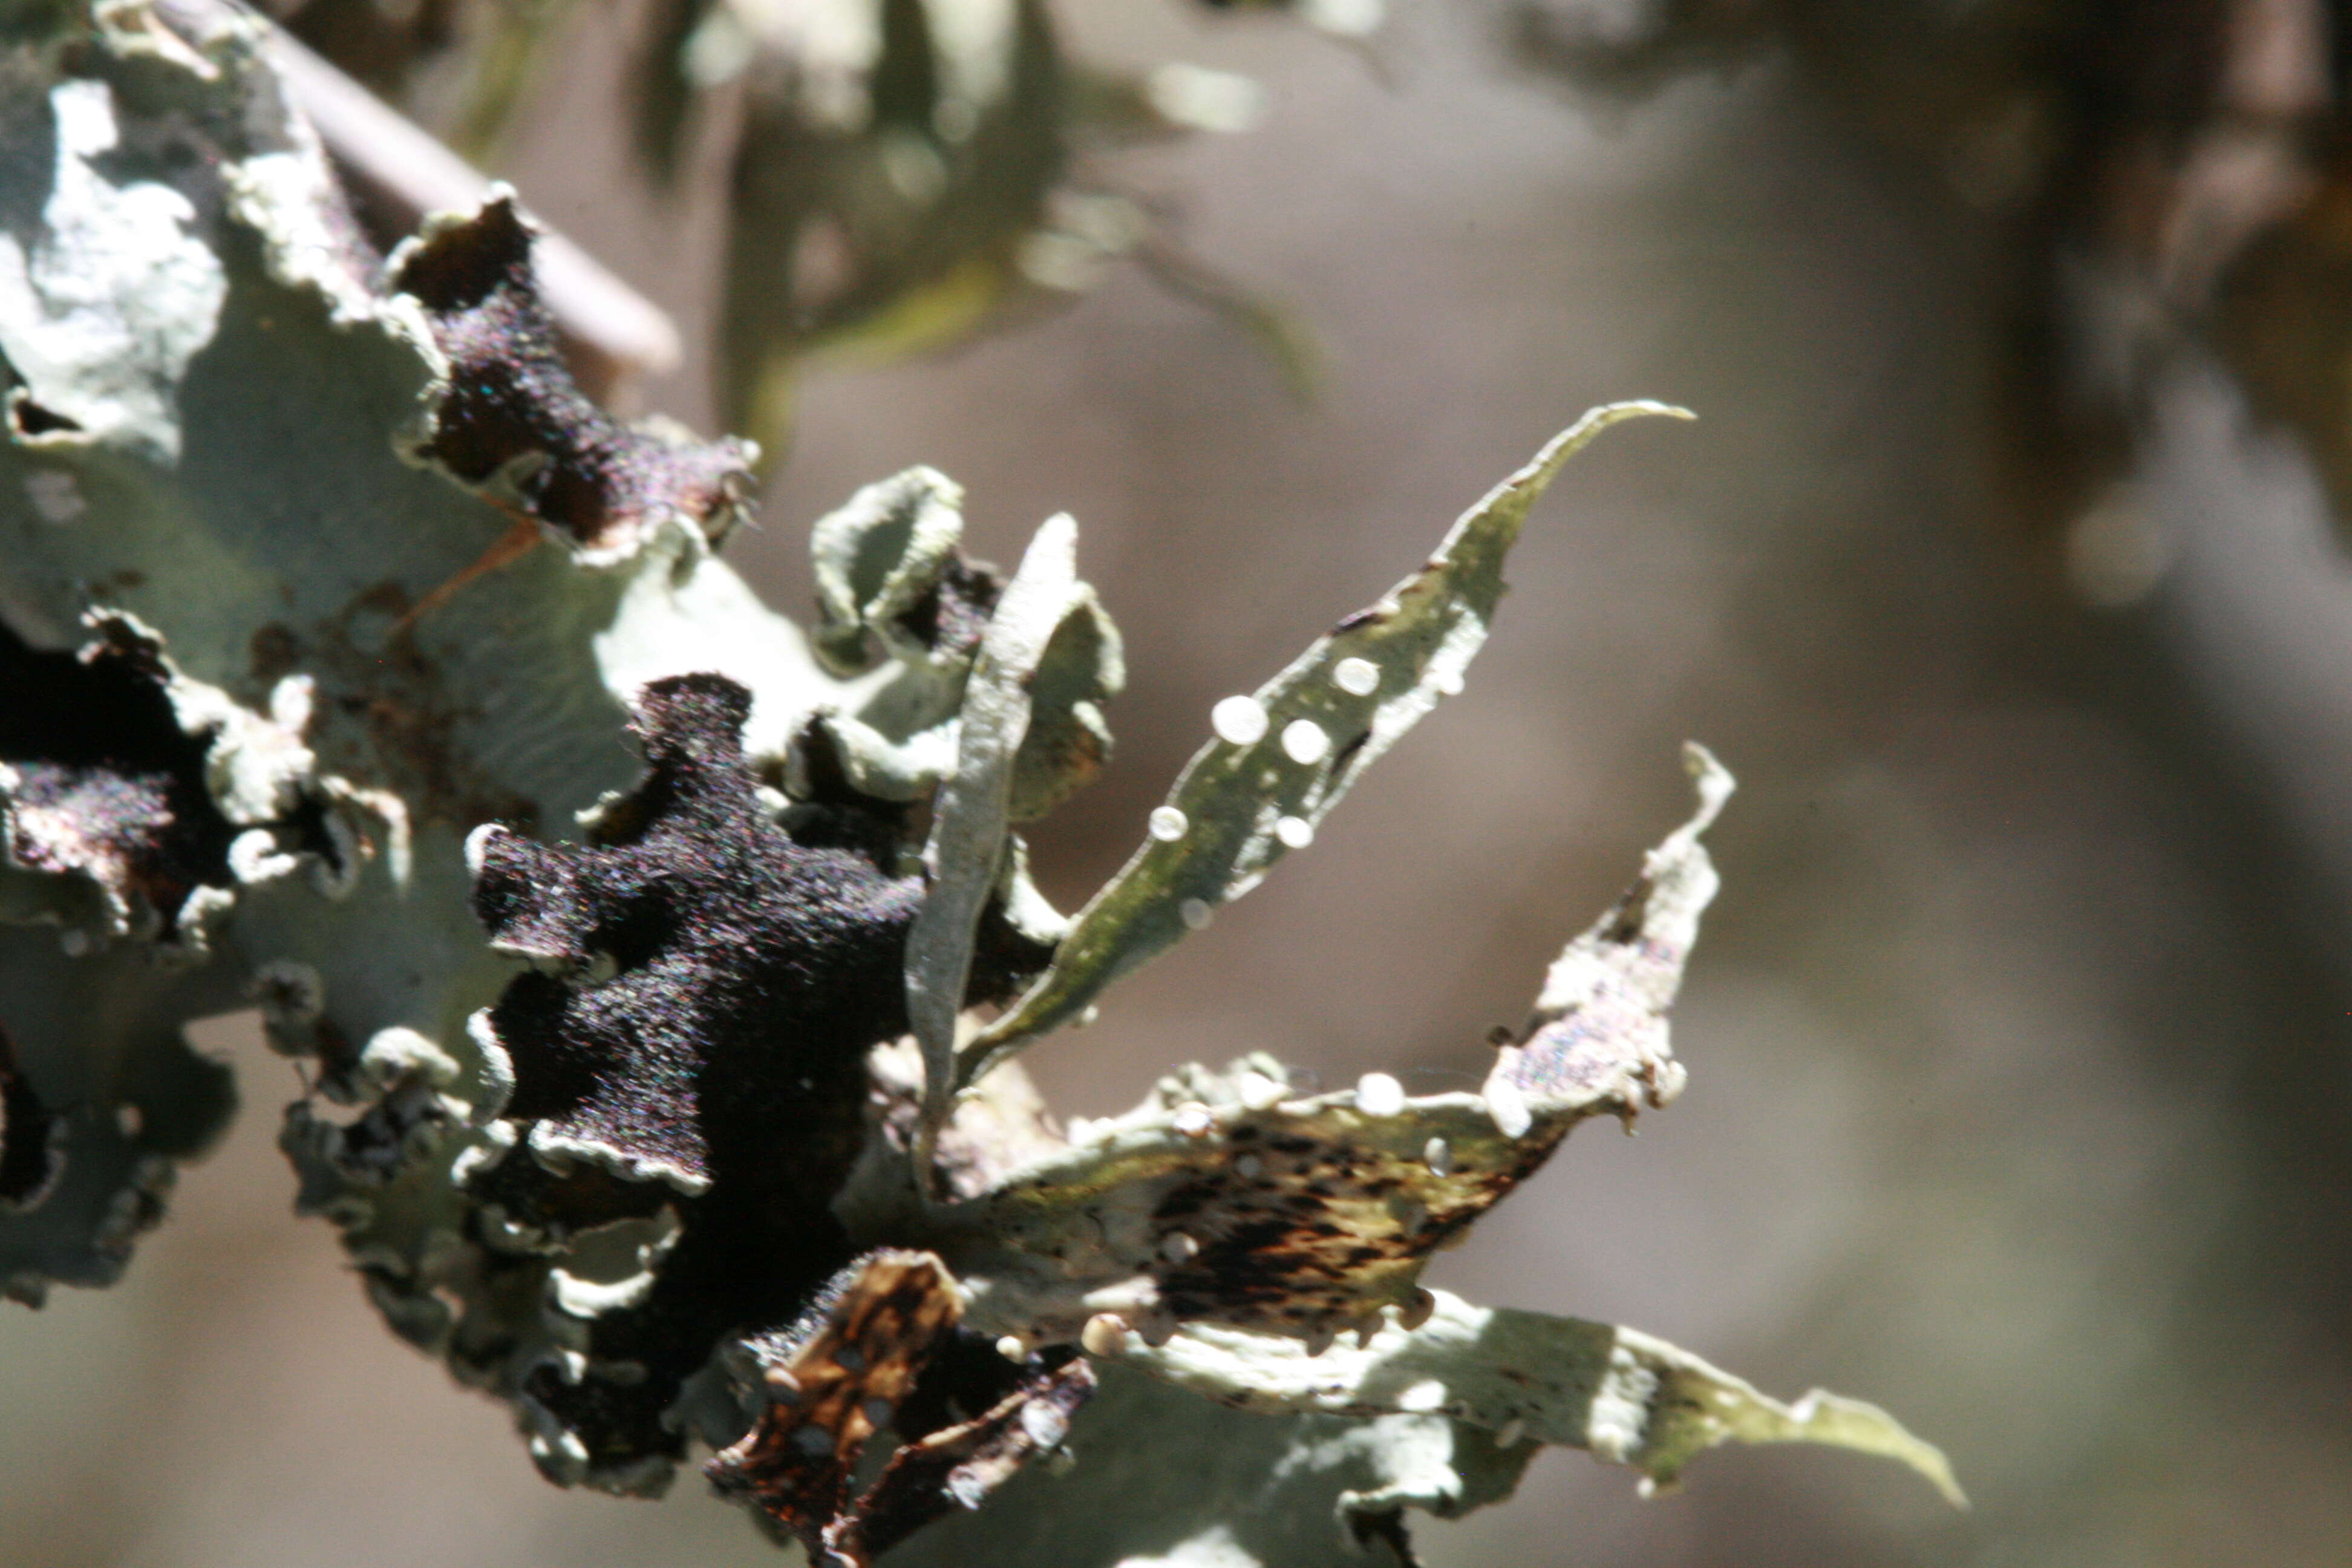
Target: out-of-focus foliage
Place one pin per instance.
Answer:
(2164, 181)
(903, 172)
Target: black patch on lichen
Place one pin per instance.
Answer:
(514, 412)
(30, 1160)
(274, 651)
(946, 620)
(108, 784)
(735, 954)
(829, 809)
(955, 614)
(29, 418)
(722, 981)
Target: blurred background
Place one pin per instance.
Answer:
(2020, 1100)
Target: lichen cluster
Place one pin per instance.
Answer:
(654, 970)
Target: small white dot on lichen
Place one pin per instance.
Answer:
(1239, 721)
(1378, 1094)
(1296, 832)
(1169, 823)
(1422, 1397)
(1257, 1090)
(1304, 741)
(1105, 1334)
(1508, 1107)
(1355, 677)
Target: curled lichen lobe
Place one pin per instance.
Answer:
(511, 418)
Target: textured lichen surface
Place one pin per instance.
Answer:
(654, 970)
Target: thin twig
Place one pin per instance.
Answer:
(411, 174)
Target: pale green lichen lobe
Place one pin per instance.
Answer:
(1288, 753)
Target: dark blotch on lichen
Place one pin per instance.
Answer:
(512, 411)
(952, 618)
(1314, 1236)
(30, 418)
(108, 784)
(720, 980)
(30, 1160)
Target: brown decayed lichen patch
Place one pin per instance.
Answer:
(831, 1383)
(879, 1350)
(957, 1467)
(1304, 1217)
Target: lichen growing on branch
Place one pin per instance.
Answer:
(360, 669)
